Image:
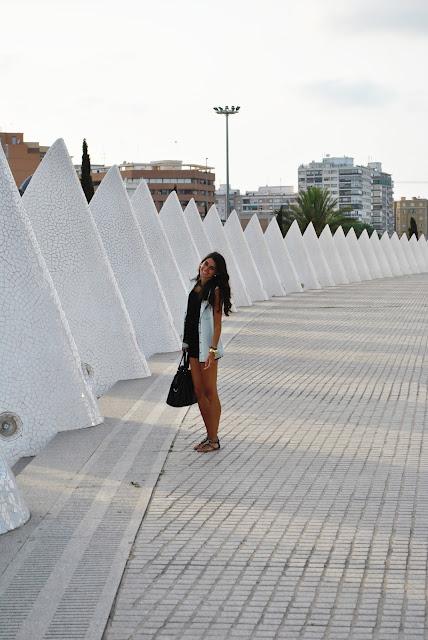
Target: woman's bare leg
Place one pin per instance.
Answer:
(198, 385)
(209, 380)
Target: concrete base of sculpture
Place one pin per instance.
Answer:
(13, 510)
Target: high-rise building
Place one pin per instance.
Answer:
(23, 157)
(382, 199)
(234, 201)
(406, 209)
(350, 184)
(264, 202)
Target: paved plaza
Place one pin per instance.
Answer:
(309, 523)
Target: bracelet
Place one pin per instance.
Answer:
(212, 350)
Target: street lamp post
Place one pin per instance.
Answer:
(225, 111)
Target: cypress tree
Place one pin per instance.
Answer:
(86, 178)
(413, 229)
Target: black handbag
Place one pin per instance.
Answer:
(181, 392)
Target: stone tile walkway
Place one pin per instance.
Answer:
(311, 521)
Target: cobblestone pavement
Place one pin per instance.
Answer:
(311, 521)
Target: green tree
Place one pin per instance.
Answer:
(86, 178)
(413, 229)
(318, 206)
(357, 225)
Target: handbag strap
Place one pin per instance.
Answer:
(185, 360)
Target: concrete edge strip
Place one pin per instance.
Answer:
(44, 607)
(28, 547)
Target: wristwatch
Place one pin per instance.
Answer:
(212, 350)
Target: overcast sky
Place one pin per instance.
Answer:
(139, 79)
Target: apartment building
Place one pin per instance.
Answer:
(188, 180)
(382, 199)
(23, 157)
(416, 208)
(265, 201)
(350, 184)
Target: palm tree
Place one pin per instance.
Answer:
(317, 205)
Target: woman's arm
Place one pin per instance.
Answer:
(217, 310)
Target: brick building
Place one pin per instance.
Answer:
(23, 157)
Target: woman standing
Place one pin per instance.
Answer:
(202, 329)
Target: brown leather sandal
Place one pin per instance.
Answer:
(208, 446)
(204, 441)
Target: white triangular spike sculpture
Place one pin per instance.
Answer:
(390, 255)
(300, 257)
(380, 255)
(357, 254)
(398, 249)
(220, 243)
(413, 242)
(423, 262)
(313, 248)
(369, 254)
(281, 258)
(262, 257)
(161, 253)
(133, 267)
(423, 245)
(332, 256)
(244, 257)
(42, 385)
(346, 256)
(13, 510)
(194, 222)
(82, 275)
(178, 233)
(409, 254)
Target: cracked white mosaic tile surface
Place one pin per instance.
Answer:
(416, 248)
(380, 254)
(390, 255)
(332, 256)
(408, 253)
(161, 253)
(215, 232)
(244, 257)
(256, 241)
(399, 252)
(13, 510)
(180, 238)
(423, 248)
(313, 247)
(346, 255)
(300, 257)
(84, 280)
(133, 267)
(282, 259)
(42, 387)
(194, 220)
(358, 255)
(369, 255)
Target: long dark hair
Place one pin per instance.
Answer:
(220, 280)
